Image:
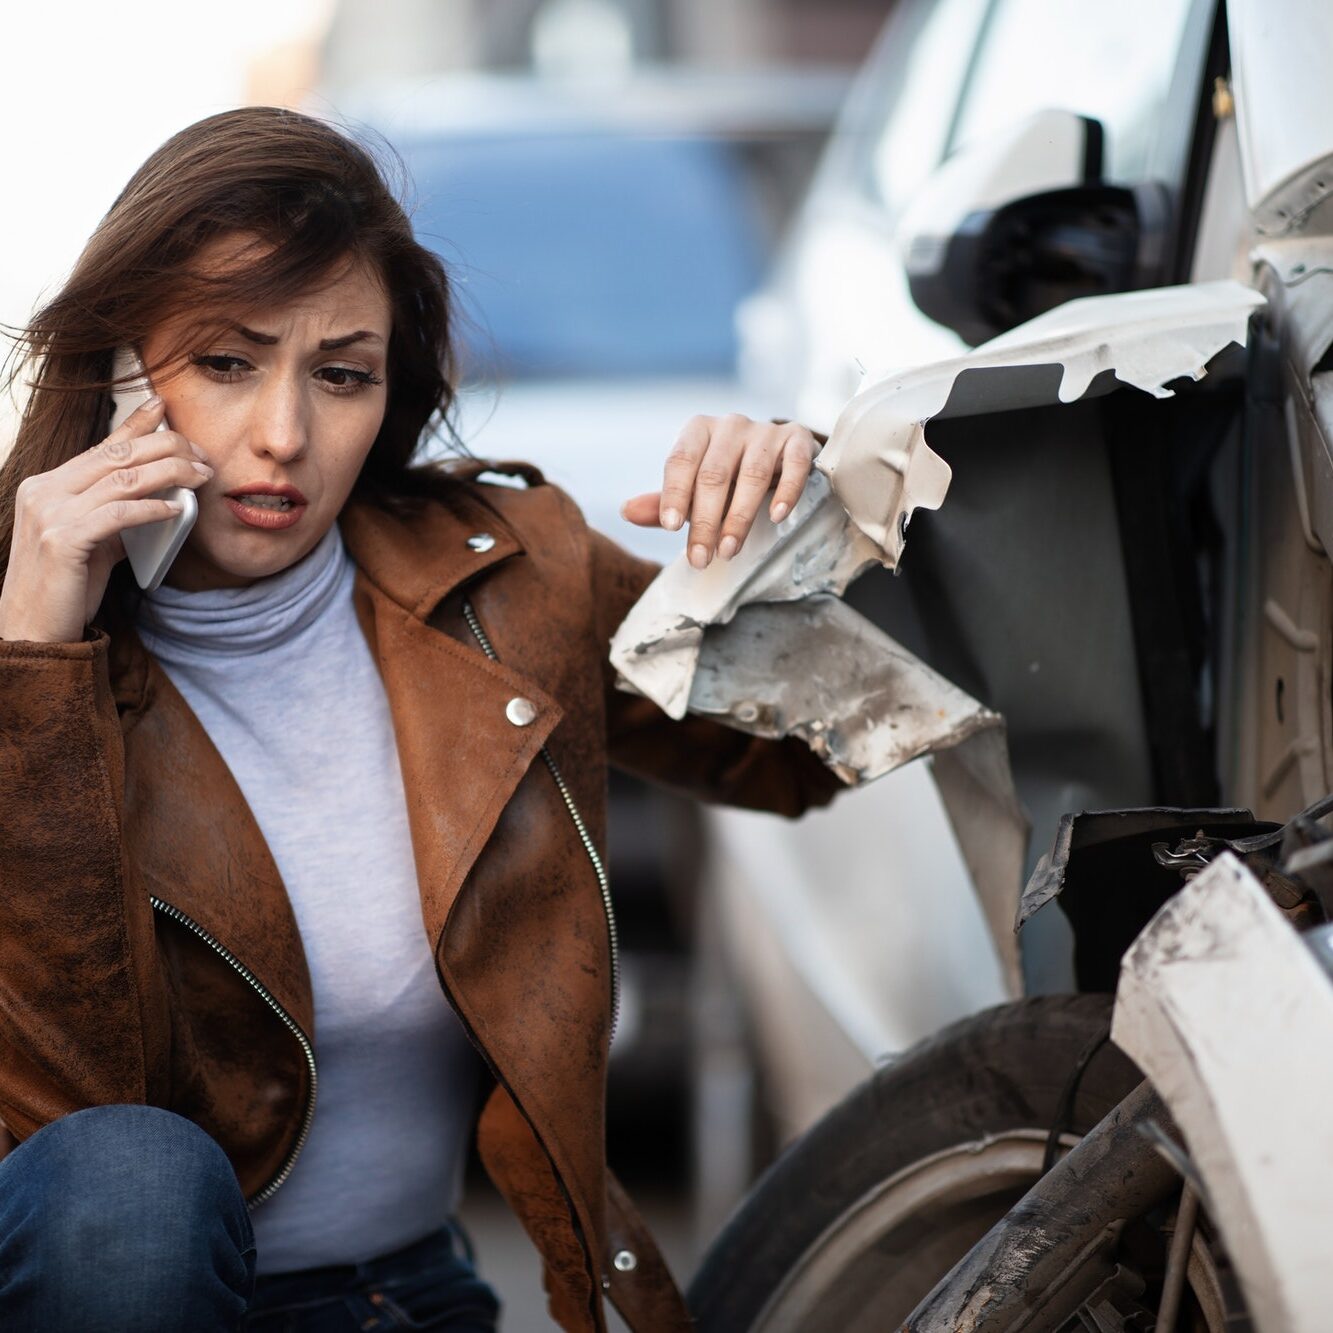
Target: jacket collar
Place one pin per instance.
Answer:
(417, 562)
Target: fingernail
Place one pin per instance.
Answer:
(671, 519)
(727, 547)
(623, 507)
(780, 511)
(699, 556)
(195, 450)
(151, 402)
(202, 467)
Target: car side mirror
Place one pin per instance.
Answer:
(1021, 222)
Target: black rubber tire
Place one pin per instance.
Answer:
(1004, 1069)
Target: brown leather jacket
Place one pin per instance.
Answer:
(148, 951)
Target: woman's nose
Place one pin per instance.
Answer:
(279, 426)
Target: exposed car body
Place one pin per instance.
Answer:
(1046, 633)
(1215, 479)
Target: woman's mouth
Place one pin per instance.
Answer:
(269, 508)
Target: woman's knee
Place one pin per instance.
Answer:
(124, 1201)
(113, 1165)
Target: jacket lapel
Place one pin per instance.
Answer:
(194, 841)
(461, 755)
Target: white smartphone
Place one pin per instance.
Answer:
(151, 547)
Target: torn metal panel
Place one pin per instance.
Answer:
(1104, 869)
(882, 470)
(817, 670)
(815, 549)
(1187, 1012)
(877, 457)
(1088, 835)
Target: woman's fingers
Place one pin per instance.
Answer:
(727, 441)
(144, 418)
(117, 451)
(67, 523)
(754, 476)
(66, 512)
(682, 467)
(719, 475)
(135, 481)
(109, 520)
(798, 453)
(135, 441)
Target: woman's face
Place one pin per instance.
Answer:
(284, 406)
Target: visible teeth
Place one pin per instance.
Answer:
(266, 501)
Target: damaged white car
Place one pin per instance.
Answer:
(1164, 453)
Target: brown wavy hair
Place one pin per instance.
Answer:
(316, 199)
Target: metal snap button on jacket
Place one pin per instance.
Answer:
(480, 541)
(520, 711)
(626, 1261)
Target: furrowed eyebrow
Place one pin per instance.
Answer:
(263, 339)
(347, 339)
(325, 345)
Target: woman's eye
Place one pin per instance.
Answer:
(221, 367)
(343, 379)
(225, 368)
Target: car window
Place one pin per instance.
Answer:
(895, 124)
(915, 131)
(1114, 63)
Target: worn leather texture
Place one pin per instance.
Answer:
(113, 794)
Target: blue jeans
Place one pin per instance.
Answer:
(430, 1284)
(129, 1219)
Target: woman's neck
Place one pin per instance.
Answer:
(256, 618)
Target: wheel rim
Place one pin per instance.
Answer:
(871, 1266)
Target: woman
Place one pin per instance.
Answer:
(372, 696)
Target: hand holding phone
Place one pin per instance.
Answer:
(153, 546)
(71, 525)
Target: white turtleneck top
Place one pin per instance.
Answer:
(282, 678)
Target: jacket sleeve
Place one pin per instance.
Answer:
(696, 755)
(83, 1011)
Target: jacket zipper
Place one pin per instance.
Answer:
(603, 883)
(289, 1022)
